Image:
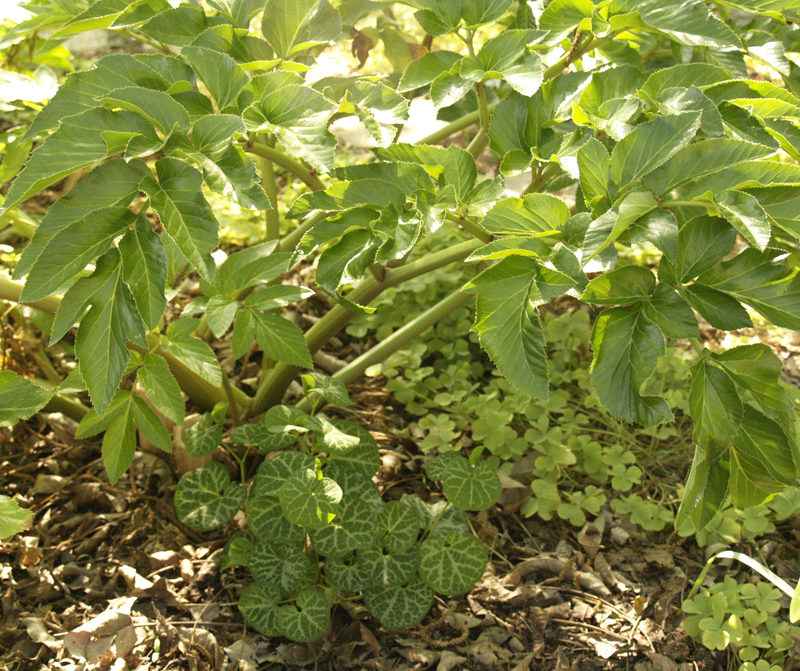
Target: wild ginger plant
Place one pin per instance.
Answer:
(645, 110)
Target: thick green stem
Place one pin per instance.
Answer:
(69, 406)
(290, 240)
(272, 387)
(286, 162)
(686, 203)
(543, 178)
(470, 226)
(267, 170)
(10, 291)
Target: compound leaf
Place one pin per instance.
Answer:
(19, 399)
(161, 388)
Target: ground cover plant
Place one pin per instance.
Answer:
(647, 111)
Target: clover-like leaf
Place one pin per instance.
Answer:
(266, 520)
(282, 566)
(390, 569)
(203, 437)
(258, 606)
(353, 528)
(206, 498)
(399, 607)
(237, 551)
(273, 473)
(471, 487)
(399, 524)
(307, 618)
(310, 500)
(452, 565)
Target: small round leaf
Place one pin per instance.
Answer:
(393, 569)
(206, 499)
(452, 565)
(202, 438)
(237, 551)
(471, 487)
(259, 608)
(307, 618)
(280, 566)
(401, 524)
(354, 528)
(266, 520)
(274, 472)
(308, 500)
(399, 607)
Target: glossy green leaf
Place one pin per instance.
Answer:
(206, 498)
(13, 518)
(307, 618)
(220, 313)
(144, 270)
(703, 242)
(223, 78)
(193, 353)
(292, 26)
(452, 565)
(626, 347)
(203, 437)
(19, 398)
(422, 71)
(536, 214)
(178, 25)
(249, 267)
(620, 286)
(758, 369)
(659, 227)
(718, 309)
(318, 385)
(161, 388)
(477, 12)
(671, 313)
(119, 443)
(706, 490)
(508, 323)
(714, 405)
(259, 608)
(282, 567)
(177, 196)
(159, 108)
(244, 334)
(748, 217)
(594, 165)
(399, 607)
(563, 15)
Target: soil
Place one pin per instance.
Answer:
(552, 597)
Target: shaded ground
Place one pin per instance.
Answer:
(550, 599)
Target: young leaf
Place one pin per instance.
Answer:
(508, 323)
(335, 437)
(161, 388)
(19, 398)
(317, 385)
(399, 607)
(307, 619)
(220, 313)
(308, 500)
(626, 348)
(203, 437)
(206, 498)
(259, 607)
(281, 567)
(13, 518)
(178, 198)
(452, 565)
(358, 465)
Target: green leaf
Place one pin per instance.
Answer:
(478, 12)
(423, 70)
(159, 108)
(761, 281)
(718, 309)
(537, 214)
(99, 15)
(298, 116)
(671, 313)
(259, 608)
(392, 569)
(399, 607)
(281, 340)
(113, 184)
(706, 490)
(471, 487)
(450, 87)
(650, 145)
(19, 399)
(620, 286)
(13, 518)
(206, 498)
(703, 242)
(274, 472)
(761, 460)
(354, 468)
(511, 246)
(439, 518)
(220, 313)
(161, 388)
(144, 270)
(353, 529)
(119, 443)
(334, 437)
(203, 437)
(508, 323)
(291, 26)
(281, 566)
(249, 267)
(244, 333)
(714, 405)
(307, 619)
(100, 346)
(178, 25)
(266, 520)
(659, 227)
(318, 385)
(748, 217)
(347, 574)
(757, 369)
(193, 353)
(399, 525)
(688, 22)
(150, 425)
(594, 165)
(223, 78)
(309, 500)
(178, 198)
(506, 56)
(563, 15)
(452, 565)
(626, 347)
